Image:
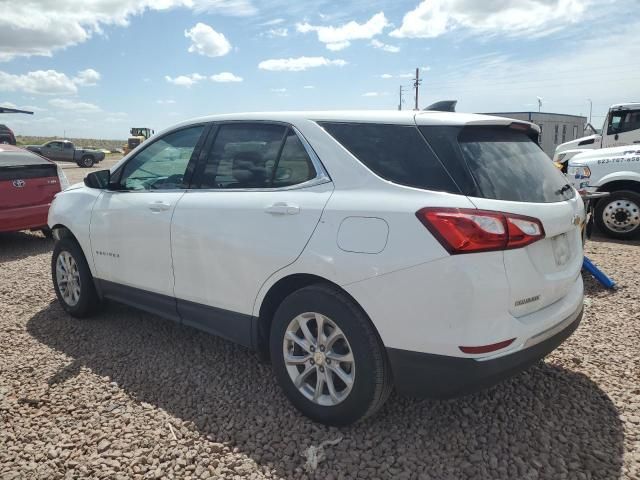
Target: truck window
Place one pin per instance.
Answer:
(623, 121)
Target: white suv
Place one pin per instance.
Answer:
(433, 252)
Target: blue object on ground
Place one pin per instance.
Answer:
(597, 273)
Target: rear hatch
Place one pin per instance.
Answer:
(501, 168)
(26, 179)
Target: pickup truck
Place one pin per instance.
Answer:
(65, 151)
(615, 170)
(621, 127)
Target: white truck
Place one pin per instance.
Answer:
(615, 170)
(621, 127)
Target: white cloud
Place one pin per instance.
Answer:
(278, 90)
(337, 38)
(185, 80)
(45, 82)
(77, 107)
(383, 46)
(87, 78)
(433, 18)
(337, 46)
(298, 64)
(500, 82)
(165, 102)
(39, 27)
(275, 21)
(206, 41)
(225, 77)
(375, 94)
(277, 32)
(309, 87)
(400, 75)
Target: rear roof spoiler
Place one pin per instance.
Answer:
(443, 106)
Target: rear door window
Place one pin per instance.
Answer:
(397, 153)
(506, 164)
(255, 156)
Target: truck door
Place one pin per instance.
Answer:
(52, 150)
(67, 152)
(622, 128)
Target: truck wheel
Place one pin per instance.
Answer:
(87, 161)
(327, 356)
(618, 215)
(72, 279)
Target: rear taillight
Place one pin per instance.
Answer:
(465, 230)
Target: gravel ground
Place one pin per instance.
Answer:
(128, 395)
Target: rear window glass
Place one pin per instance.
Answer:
(397, 153)
(506, 164)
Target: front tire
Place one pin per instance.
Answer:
(72, 279)
(327, 356)
(618, 215)
(87, 161)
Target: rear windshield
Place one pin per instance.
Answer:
(505, 164)
(397, 153)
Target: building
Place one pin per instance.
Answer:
(555, 128)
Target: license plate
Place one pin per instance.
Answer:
(561, 250)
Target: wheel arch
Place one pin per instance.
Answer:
(622, 184)
(61, 231)
(280, 290)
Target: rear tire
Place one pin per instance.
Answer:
(72, 279)
(618, 215)
(87, 161)
(348, 349)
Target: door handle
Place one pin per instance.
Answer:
(159, 206)
(616, 137)
(282, 208)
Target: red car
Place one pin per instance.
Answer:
(28, 183)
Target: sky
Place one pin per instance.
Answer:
(94, 69)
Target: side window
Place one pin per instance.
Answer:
(68, 146)
(55, 145)
(630, 121)
(564, 133)
(396, 153)
(616, 121)
(244, 155)
(555, 137)
(294, 165)
(162, 165)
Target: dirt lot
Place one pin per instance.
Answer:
(128, 395)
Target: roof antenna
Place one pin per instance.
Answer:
(443, 106)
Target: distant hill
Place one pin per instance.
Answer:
(79, 142)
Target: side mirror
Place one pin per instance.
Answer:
(99, 179)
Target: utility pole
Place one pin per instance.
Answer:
(416, 84)
(400, 100)
(590, 109)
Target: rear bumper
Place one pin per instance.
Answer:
(440, 376)
(24, 218)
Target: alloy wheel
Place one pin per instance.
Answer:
(68, 278)
(319, 359)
